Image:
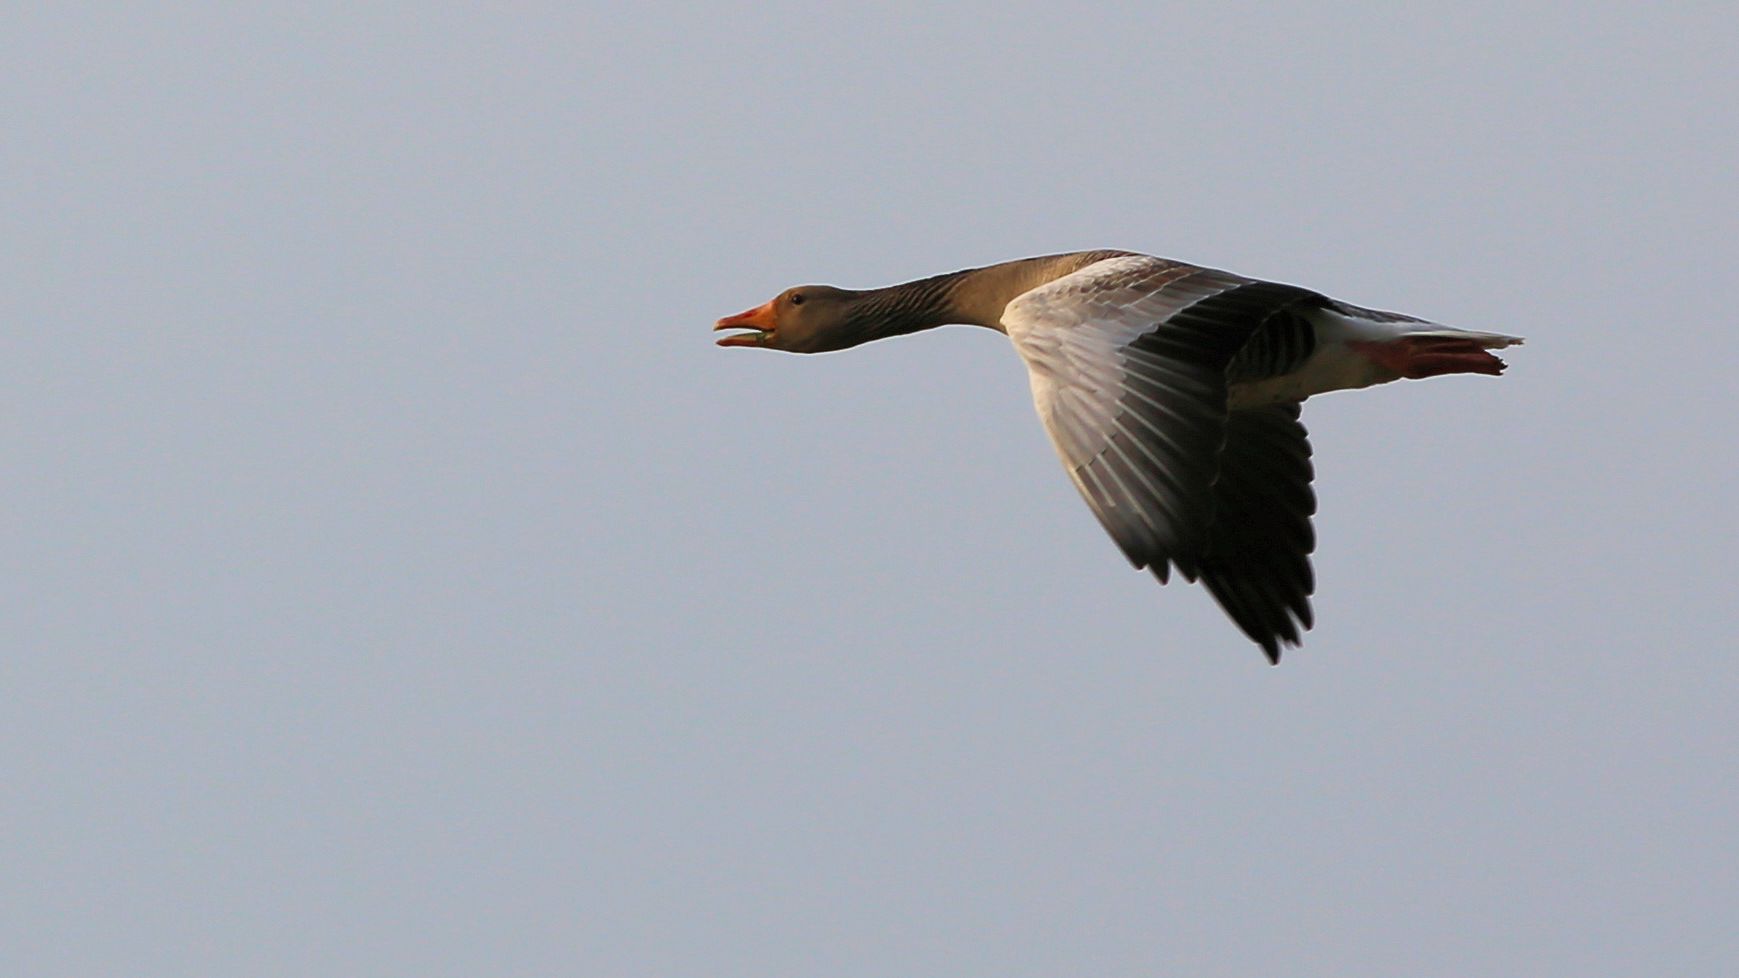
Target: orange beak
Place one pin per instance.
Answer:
(761, 319)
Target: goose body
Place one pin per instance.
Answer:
(1171, 393)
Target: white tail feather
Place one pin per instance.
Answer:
(1491, 341)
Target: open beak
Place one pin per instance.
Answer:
(760, 319)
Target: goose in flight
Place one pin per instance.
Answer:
(1171, 393)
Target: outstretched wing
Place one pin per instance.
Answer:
(1128, 359)
(1257, 563)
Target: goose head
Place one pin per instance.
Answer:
(802, 319)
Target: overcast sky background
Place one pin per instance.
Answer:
(397, 581)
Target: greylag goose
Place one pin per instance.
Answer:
(1171, 392)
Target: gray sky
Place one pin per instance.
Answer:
(398, 582)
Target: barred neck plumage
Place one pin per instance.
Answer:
(972, 296)
(908, 307)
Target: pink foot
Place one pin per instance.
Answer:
(1415, 357)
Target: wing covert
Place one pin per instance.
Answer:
(1128, 361)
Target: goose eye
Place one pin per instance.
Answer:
(796, 298)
